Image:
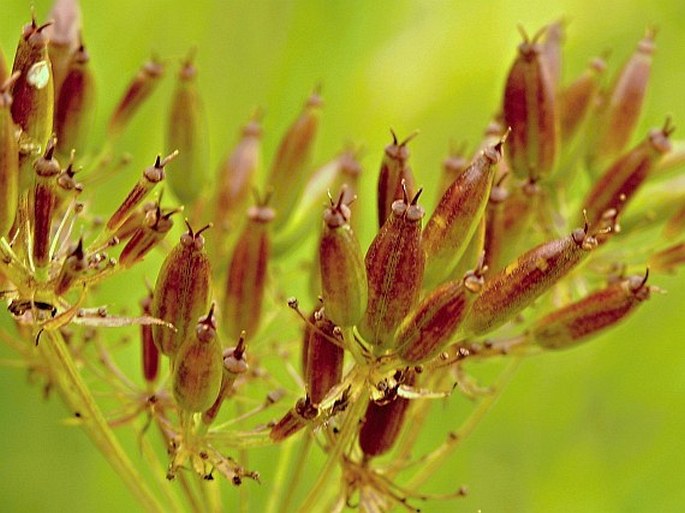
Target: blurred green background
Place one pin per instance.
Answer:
(599, 428)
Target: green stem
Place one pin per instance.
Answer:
(78, 398)
(296, 470)
(284, 459)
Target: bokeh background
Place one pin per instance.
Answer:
(598, 428)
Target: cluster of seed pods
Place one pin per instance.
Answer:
(505, 253)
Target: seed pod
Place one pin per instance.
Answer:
(246, 277)
(293, 421)
(306, 335)
(139, 90)
(494, 226)
(343, 275)
(4, 70)
(383, 422)
(578, 98)
(617, 117)
(674, 159)
(151, 177)
(624, 177)
(73, 267)
(9, 160)
(288, 171)
(187, 132)
(530, 111)
(453, 166)
(324, 358)
(472, 254)
(520, 283)
(33, 94)
(456, 217)
(67, 187)
(394, 171)
(394, 270)
(64, 35)
(675, 225)
(44, 201)
(74, 107)
(198, 367)
(575, 323)
(668, 260)
(433, 323)
(151, 232)
(552, 45)
(236, 175)
(150, 353)
(182, 291)
(234, 366)
(134, 221)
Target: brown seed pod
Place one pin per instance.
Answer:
(343, 275)
(530, 110)
(150, 353)
(394, 171)
(603, 309)
(297, 418)
(456, 217)
(552, 45)
(4, 70)
(617, 117)
(624, 177)
(74, 106)
(578, 98)
(64, 38)
(454, 165)
(187, 132)
(324, 358)
(44, 202)
(67, 186)
(182, 291)
(196, 378)
(9, 159)
(383, 421)
(668, 260)
(134, 221)
(72, 268)
(139, 90)
(435, 320)
(520, 283)
(290, 165)
(246, 277)
(493, 240)
(151, 232)
(151, 177)
(394, 270)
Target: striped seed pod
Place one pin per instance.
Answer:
(9, 160)
(306, 335)
(493, 242)
(579, 321)
(151, 177)
(577, 100)
(134, 221)
(624, 177)
(530, 110)
(324, 358)
(151, 232)
(74, 105)
(383, 421)
(394, 171)
(246, 278)
(456, 217)
(520, 283)
(72, 268)
(139, 90)
(33, 94)
(150, 353)
(64, 35)
(343, 275)
(454, 165)
(617, 116)
(432, 324)
(234, 365)
(668, 260)
(44, 202)
(290, 165)
(198, 367)
(552, 45)
(297, 417)
(182, 291)
(187, 132)
(394, 271)
(236, 175)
